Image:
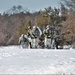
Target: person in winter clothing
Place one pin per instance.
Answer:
(47, 34)
(23, 41)
(34, 33)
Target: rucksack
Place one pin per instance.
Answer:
(25, 39)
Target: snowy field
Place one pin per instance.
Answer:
(15, 60)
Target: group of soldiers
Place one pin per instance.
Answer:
(37, 38)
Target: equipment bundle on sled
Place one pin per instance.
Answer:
(36, 38)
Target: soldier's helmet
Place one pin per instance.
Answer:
(48, 26)
(22, 35)
(34, 27)
(29, 27)
(26, 36)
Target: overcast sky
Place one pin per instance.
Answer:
(31, 5)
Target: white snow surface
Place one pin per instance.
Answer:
(15, 60)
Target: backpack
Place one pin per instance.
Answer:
(25, 39)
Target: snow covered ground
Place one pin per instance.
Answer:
(15, 60)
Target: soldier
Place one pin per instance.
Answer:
(23, 41)
(47, 34)
(41, 41)
(58, 39)
(53, 32)
(36, 32)
(30, 36)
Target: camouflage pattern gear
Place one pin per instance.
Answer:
(47, 33)
(58, 40)
(23, 41)
(41, 41)
(30, 33)
(35, 33)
